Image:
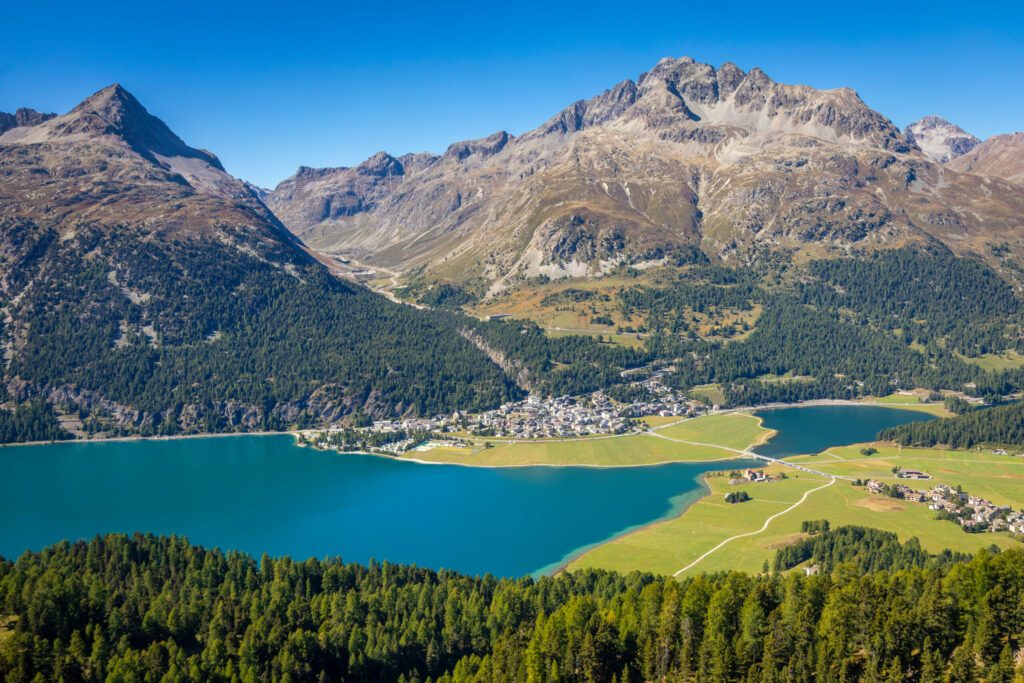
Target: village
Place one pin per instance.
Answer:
(972, 513)
(561, 417)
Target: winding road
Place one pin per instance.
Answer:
(747, 453)
(832, 480)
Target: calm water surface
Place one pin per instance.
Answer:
(265, 494)
(812, 429)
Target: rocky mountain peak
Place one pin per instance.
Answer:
(22, 117)
(484, 147)
(729, 78)
(113, 116)
(381, 165)
(113, 123)
(585, 113)
(688, 101)
(940, 139)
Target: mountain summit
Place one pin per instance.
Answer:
(940, 139)
(686, 158)
(113, 117)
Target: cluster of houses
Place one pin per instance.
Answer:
(970, 512)
(663, 400)
(564, 416)
(399, 443)
(751, 476)
(561, 417)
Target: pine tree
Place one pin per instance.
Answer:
(962, 668)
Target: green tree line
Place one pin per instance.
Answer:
(863, 549)
(146, 608)
(999, 425)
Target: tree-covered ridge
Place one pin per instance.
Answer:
(850, 327)
(146, 608)
(197, 335)
(552, 366)
(842, 358)
(866, 550)
(1000, 425)
(926, 296)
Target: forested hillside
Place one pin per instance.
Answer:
(210, 339)
(999, 426)
(847, 327)
(866, 550)
(922, 297)
(146, 608)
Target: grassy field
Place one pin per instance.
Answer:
(665, 547)
(620, 451)
(659, 420)
(627, 339)
(999, 478)
(668, 546)
(715, 434)
(732, 430)
(900, 399)
(712, 392)
(994, 362)
(575, 306)
(909, 403)
(553, 308)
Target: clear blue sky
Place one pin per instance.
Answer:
(270, 86)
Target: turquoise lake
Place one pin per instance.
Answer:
(264, 494)
(812, 429)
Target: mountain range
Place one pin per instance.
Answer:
(686, 157)
(146, 290)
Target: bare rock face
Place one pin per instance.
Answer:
(22, 117)
(315, 195)
(1000, 156)
(941, 140)
(687, 156)
(109, 161)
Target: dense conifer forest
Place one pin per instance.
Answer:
(199, 337)
(145, 608)
(33, 421)
(848, 327)
(866, 550)
(998, 426)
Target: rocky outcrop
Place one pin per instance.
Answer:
(939, 139)
(22, 117)
(515, 370)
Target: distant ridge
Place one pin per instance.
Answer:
(685, 157)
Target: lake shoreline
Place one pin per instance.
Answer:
(675, 512)
(295, 432)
